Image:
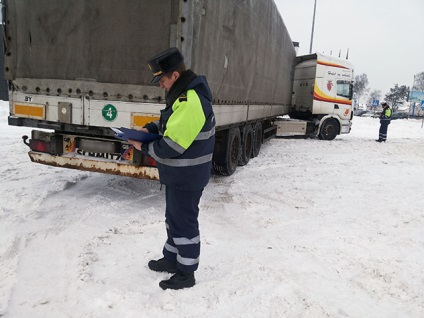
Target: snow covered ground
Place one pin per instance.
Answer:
(308, 229)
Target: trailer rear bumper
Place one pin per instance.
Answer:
(103, 166)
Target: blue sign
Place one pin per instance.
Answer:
(375, 103)
(422, 105)
(416, 96)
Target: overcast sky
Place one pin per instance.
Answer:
(385, 37)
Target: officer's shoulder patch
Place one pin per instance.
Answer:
(183, 97)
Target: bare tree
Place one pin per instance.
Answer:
(375, 94)
(360, 86)
(418, 82)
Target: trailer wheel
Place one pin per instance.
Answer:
(246, 144)
(257, 140)
(227, 152)
(329, 129)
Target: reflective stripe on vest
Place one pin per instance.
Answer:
(179, 162)
(206, 134)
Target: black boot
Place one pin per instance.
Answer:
(179, 280)
(379, 140)
(162, 265)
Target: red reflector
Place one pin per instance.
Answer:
(38, 145)
(151, 161)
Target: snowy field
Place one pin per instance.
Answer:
(309, 228)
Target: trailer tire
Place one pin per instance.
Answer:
(329, 129)
(246, 144)
(227, 152)
(257, 140)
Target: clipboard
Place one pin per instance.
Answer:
(128, 133)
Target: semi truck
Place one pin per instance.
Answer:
(322, 98)
(78, 68)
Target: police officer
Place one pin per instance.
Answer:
(385, 118)
(184, 160)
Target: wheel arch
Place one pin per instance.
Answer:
(330, 116)
(329, 128)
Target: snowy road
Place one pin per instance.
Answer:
(307, 229)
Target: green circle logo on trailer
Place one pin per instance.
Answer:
(109, 112)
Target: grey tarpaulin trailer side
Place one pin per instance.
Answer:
(3, 83)
(243, 47)
(97, 50)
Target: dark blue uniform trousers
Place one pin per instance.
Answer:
(183, 244)
(382, 133)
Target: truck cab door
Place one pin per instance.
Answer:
(343, 101)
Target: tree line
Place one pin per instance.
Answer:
(397, 94)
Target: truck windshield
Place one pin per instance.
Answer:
(344, 89)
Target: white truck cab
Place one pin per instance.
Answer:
(322, 95)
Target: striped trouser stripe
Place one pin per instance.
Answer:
(186, 241)
(187, 261)
(171, 249)
(182, 260)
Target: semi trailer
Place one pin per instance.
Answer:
(78, 68)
